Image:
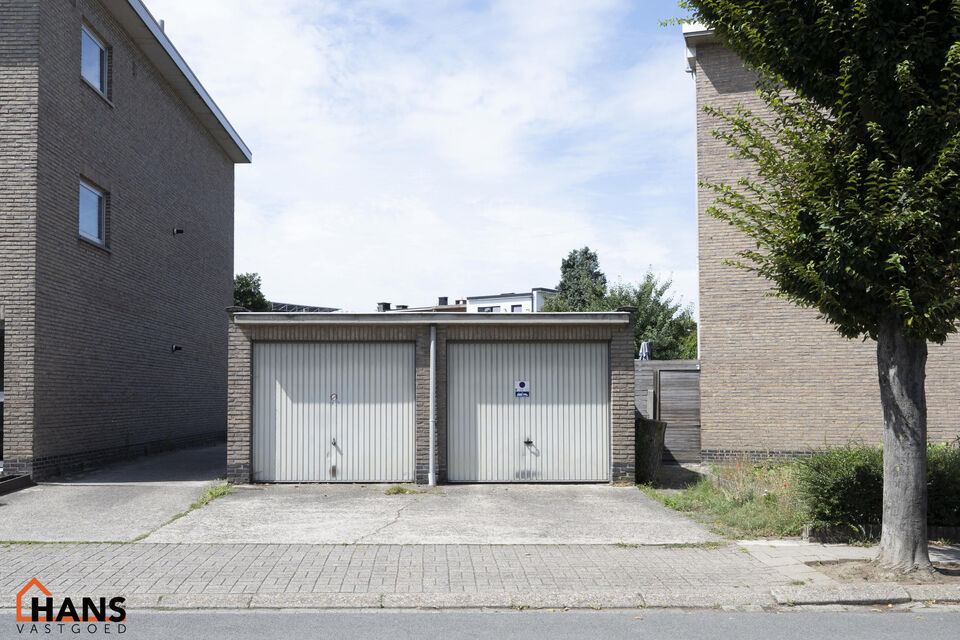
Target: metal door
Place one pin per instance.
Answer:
(560, 432)
(333, 412)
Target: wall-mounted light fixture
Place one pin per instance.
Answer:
(177, 231)
(175, 347)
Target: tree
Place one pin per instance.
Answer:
(659, 319)
(247, 294)
(856, 206)
(582, 284)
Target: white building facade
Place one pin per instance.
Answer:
(531, 302)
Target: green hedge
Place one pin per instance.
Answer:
(844, 487)
(943, 485)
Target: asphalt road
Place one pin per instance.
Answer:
(579, 625)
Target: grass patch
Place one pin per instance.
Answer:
(746, 500)
(627, 545)
(709, 544)
(214, 491)
(218, 489)
(399, 490)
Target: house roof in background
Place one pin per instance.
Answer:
(512, 295)
(287, 307)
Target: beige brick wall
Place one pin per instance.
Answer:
(774, 378)
(240, 375)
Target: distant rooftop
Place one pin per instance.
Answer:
(512, 295)
(285, 307)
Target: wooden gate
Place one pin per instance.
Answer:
(679, 396)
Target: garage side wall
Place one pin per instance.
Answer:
(240, 381)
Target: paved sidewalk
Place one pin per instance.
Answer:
(240, 575)
(750, 574)
(793, 558)
(790, 557)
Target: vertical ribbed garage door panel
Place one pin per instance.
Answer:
(567, 414)
(295, 423)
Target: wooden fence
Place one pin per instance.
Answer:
(669, 390)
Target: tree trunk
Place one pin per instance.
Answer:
(902, 362)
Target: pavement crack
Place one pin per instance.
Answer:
(396, 518)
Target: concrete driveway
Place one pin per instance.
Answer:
(118, 503)
(453, 514)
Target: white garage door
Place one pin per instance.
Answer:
(333, 412)
(560, 432)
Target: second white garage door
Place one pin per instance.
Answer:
(560, 432)
(333, 412)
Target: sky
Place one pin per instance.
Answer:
(405, 150)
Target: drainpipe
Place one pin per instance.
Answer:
(431, 473)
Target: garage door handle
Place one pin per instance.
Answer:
(528, 441)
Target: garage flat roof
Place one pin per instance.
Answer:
(614, 317)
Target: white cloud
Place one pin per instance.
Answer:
(408, 150)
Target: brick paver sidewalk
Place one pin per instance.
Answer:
(150, 573)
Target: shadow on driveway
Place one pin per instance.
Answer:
(117, 503)
(186, 465)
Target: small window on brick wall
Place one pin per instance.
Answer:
(94, 60)
(93, 213)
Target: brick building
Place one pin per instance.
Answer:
(774, 378)
(347, 397)
(116, 237)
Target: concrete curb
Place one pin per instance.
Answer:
(705, 598)
(874, 593)
(9, 484)
(934, 592)
(866, 594)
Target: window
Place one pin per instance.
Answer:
(488, 309)
(517, 308)
(93, 60)
(92, 209)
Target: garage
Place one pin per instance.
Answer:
(333, 412)
(431, 397)
(528, 412)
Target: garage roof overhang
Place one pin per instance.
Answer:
(153, 42)
(522, 319)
